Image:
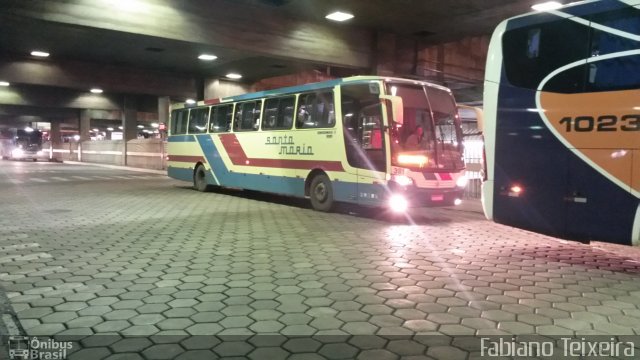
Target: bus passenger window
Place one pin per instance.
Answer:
(247, 116)
(221, 118)
(278, 113)
(198, 119)
(315, 110)
(285, 112)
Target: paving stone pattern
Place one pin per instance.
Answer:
(153, 257)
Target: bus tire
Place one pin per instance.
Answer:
(200, 179)
(321, 193)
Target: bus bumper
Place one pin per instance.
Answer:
(416, 197)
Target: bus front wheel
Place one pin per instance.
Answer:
(200, 179)
(321, 193)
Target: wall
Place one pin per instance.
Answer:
(141, 153)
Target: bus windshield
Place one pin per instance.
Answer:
(431, 126)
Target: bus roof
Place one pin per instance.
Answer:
(307, 87)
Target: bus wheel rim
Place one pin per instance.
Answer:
(321, 192)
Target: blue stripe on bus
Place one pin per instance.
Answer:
(181, 138)
(180, 173)
(284, 185)
(274, 184)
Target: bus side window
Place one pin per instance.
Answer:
(315, 110)
(278, 113)
(269, 121)
(256, 115)
(247, 116)
(285, 112)
(221, 118)
(618, 73)
(179, 121)
(198, 119)
(305, 107)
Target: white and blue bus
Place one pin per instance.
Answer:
(366, 140)
(562, 122)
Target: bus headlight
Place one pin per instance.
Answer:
(402, 180)
(398, 203)
(16, 153)
(462, 181)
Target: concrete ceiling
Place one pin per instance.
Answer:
(150, 46)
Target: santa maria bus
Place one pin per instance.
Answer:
(562, 122)
(365, 140)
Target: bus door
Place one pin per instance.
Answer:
(365, 141)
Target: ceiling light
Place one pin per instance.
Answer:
(96, 130)
(339, 16)
(39, 53)
(120, 127)
(96, 91)
(155, 125)
(4, 83)
(547, 6)
(234, 76)
(190, 101)
(207, 57)
(109, 129)
(140, 126)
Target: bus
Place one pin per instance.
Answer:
(367, 140)
(21, 144)
(562, 122)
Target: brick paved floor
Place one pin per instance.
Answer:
(86, 250)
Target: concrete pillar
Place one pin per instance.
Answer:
(200, 89)
(130, 118)
(395, 55)
(164, 102)
(129, 123)
(385, 54)
(214, 88)
(85, 124)
(55, 136)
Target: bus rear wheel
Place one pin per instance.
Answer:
(321, 193)
(200, 179)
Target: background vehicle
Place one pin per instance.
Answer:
(21, 144)
(365, 140)
(562, 122)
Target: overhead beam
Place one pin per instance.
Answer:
(219, 23)
(36, 100)
(43, 112)
(83, 76)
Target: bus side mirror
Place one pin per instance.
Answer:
(479, 114)
(396, 105)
